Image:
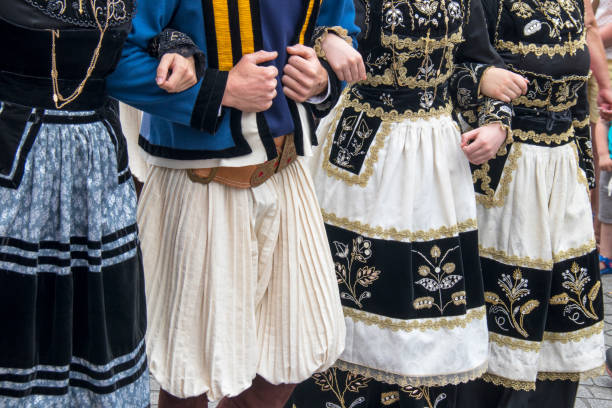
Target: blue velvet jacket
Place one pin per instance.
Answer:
(187, 125)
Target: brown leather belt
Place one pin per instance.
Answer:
(249, 176)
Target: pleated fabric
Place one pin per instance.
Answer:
(239, 282)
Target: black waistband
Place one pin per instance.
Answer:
(38, 92)
(542, 119)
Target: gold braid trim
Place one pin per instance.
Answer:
(492, 198)
(395, 116)
(570, 47)
(410, 325)
(544, 137)
(581, 176)
(524, 261)
(337, 30)
(539, 103)
(581, 123)
(405, 381)
(508, 383)
(514, 344)
(575, 377)
(574, 336)
(432, 44)
(402, 235)
(575, 252)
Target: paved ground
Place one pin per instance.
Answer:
(596, 393)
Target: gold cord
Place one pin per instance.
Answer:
(59, 100)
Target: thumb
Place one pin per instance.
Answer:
(264, 56)
(163, 68)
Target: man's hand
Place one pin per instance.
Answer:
(304, 76)
(176, 73)
(503, 85)
(604, 102)
(346, 61)
(250, 87)
(482, 144)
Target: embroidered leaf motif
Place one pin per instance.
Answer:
(340, 272)
(323, 380)
(332, 405)
(342, 249)
(423, 303)
(529, 307)
(560, 299)
(449, 268)
(435, 252)
(389, 398)
(459, 298)
(367, 275)
(450, 281)
(355, 382)
(413, 392)
(493, 298)
(429, 284)
(357, 402)
(594, 292)
(424, 270)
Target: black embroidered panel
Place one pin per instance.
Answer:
(407, 280)
(354, 135)
(516, 299)
(80, 12)
(576, 297)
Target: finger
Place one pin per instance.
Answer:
(294, 73)
(293, 95)
(301, 51)
(362, 71)
(264, 56)
(522, 83)
(163, 68)
(469, 136)
(172, 83)
(301, 64)
(515, 90)
(354, 73)
(294, 85)
(473, 147)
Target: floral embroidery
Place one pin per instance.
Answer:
(424, 393)
(328, 381)
(575, 280)
(366, 275)
(437, 276)
(515, 288)
(354, 134)
(522, 9)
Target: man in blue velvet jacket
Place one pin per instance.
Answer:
(241, 288)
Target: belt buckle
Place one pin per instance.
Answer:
(196, 178)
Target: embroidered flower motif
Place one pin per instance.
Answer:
(575, 280)
(328, 382)
(454, 11)
(365, 276)
(437, 277)
(515, 288)
(522, 9)
(354, 134)
(423, 393)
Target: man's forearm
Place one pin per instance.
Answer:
(599, 65)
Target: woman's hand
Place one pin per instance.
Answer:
(480, 145)
(343, 58)
(503, 85)
(176, 73)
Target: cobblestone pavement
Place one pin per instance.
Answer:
(596, 393)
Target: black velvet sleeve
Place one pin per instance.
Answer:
(173, 41)
(582, 129)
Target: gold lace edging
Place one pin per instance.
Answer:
(544, 137)
(405, 381)
(370, 160)
(411, 325)
(539, 103)
(575, 377)
(574, 336)
(514, 344)
(508, 383)
(431, 44)
(393, 115)
(513, 260)
(581, 250)
(337, 30)
(402, 235)
(491, 198)
(570, 47)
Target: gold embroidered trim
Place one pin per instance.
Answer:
(514, 344)
(544, 137)
(574, 336)
(337, 30)
(575, 252)
(570, 47)
(581, 176)
(523, 261)
(508, 383)
(371, 158)
(431, 44)
(575, 377)
(491, 198)
(581, 123)
(405, 381)
(395, 116)
(539, 103)
(411, 325)
(402, 235)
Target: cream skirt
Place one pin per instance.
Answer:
(239, 282)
